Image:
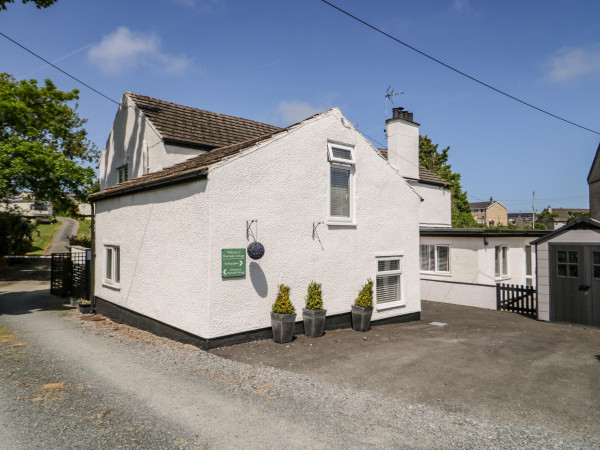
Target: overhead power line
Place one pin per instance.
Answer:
(499, 91)
(59, 69)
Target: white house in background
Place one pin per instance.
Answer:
(325, 204)
(85, 210)
(27, 206)
(463, 266)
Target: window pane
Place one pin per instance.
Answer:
(504, 261)
(424, 257)
(562, 270)
(573, 270)
(562, 256)
(387, 265)
(528, 266)
(528, 282)
(109, 263)
(497, 261)
(573, 257)
(596, 271)
(340, 193)
(117, 251)
(388, 288)
(443, 259)
(341, 153)
(596, 257)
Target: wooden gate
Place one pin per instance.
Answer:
(519, 299)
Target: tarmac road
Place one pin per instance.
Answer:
(69, 383)
(60, 242)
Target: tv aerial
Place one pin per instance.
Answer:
(389, 94)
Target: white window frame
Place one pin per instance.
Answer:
(123, 173)
(436, 270)
(401, 301)
(114, 278)
(501, 275)
(341, 164)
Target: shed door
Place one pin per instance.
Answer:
(575, 294)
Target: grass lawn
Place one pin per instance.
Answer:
(47, 232)
(84, 229)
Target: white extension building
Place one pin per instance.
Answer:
(184, 191)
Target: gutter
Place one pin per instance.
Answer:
(473, 232)
(150, 185)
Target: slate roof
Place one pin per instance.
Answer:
(193, 127)
(565, 214)
(480, 205)
(425, 175)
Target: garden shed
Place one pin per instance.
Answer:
(568, 275)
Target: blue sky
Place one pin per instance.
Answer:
(282, 61)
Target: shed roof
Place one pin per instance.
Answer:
(425, 175)
(582, 223)
(193, 127)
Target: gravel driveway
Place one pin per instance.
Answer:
(68, 383)
(60, 242)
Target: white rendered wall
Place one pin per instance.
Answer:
(543, 264)
(171, 239)
(131, 136)
(403, 147)
(473, 262)
(164, 243)
(284, 185)
(435, 210)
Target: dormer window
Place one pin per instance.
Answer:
(341, 184)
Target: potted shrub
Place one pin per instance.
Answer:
(84, 306)
(314, 314)
(363, 308)
(283, 316)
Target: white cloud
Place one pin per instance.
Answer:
(295, 111)
(124, 50)
(573, 62)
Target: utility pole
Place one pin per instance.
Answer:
(533, 212)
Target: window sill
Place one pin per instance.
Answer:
(387, 306)
(340, 223)
(505, 277)
(437, 274)
(114, 287)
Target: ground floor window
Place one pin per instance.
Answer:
(388, 281)
(501, 261)
(435, 258)
(112, 273)
(528, 266)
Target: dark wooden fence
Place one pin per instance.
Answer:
(519, 299)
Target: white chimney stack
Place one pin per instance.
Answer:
(403, 143)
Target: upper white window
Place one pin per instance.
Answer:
(388, 283)
(435, 258)
(501, 261)
(112, 270)
(341, 183)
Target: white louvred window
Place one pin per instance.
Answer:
(388, 283)
(341, 174)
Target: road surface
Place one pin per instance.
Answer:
(60, 242)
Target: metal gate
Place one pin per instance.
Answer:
(70, 275)
(575, 284)
(61, 274)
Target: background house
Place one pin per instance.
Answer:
(559, 217)
(489, 213)
(27, 206)
(325, 204)
(522, 219)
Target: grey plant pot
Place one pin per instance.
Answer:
(314, 321)
(361, 318)
(283, 327)
(84, 309)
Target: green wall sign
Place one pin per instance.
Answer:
(233, 262)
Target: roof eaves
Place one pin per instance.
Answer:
(578, 223)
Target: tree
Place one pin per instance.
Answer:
(43, 145)
(437, 162)
(38, 3)
(546, 219)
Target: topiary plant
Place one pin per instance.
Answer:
(314, 297)
(282, 304)
(365, 296)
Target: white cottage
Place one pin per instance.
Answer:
(183, 190)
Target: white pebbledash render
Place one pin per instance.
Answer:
(170, 225)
